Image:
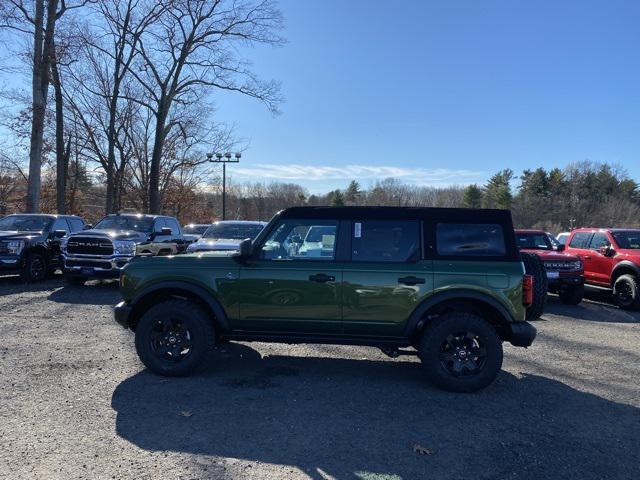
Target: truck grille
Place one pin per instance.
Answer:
(571, 266)
(88, 263)
(90, 246)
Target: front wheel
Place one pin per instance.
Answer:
(460, 352)
(35, 268)
(627, 292)
(572, 296)
(174, 338)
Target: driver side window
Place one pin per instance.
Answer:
(301, 240)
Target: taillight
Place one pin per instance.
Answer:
(527, 290)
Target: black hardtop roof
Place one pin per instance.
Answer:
(378, 213)
(138, 215)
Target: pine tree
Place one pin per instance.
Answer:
(353, 193)
(472, 197)
(497, 191)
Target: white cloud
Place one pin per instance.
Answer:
(310, 173)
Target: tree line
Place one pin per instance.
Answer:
(582, 194)
(125, 88)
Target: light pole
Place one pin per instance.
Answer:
(224, 159)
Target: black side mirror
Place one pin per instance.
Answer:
(59, 233)
(87, 226)
(166, 231)
(560, 248)
(245, 248)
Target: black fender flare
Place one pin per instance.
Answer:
(197, 290)
(625, 264)
(455, 294)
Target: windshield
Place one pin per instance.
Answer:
(119, 222)
(534, 241)
(628, 239)
(195, 229)
(25, 223)
(235, 231)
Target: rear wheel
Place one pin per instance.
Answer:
(627, 292)
(460, 352)
(35, 268)
(174, 338)
(533, 266)
(572, 296)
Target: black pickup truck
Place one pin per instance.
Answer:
(30, 243)
(104, 250)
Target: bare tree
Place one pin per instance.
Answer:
(191, 49)
(37, 18)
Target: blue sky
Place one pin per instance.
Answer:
(444, 92)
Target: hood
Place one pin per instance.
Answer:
(19, 235)
(113, 234)
(551, 255)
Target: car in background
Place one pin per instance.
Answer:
(226, 235)
(193, 231)
(30, 243)
(562, 237)
(104, 250)
(564, 271)
(611, 258)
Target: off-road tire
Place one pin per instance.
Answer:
(193, 318)
(572, 296)
(30, 272)
(630, 284)
(73, 280)
(434, 340)
(533, 266)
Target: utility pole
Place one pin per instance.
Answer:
(224, 159)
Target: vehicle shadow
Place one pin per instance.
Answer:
(593, 308)
(10, 284)
(93, 293)
(348, 419)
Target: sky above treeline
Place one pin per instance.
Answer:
(440, 92)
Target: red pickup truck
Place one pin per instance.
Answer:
(611, 258)
(564, 271)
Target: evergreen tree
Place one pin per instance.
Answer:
(352, 195)
(336, 198)
(497, 191)
(472, 197)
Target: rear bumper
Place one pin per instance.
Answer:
(122, 312)
(522, 334)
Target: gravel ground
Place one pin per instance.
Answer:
(75, 403)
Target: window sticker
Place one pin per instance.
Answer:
(358, 230)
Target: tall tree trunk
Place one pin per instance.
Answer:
(62, 156)
(42, 51)
(155, 203)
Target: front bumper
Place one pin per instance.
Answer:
(121, 313)
(94, 266)
(10, 262)
(565, 281)
(522, 334)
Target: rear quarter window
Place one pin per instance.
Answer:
(470, 240)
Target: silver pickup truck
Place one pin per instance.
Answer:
(102, 251)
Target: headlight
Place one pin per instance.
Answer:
(124, 247)
(14, 247)
(63, 244)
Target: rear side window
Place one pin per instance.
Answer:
(470, 240)
(580, 240)
(385, 241)
(173, 225)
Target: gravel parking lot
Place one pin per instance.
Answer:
(76, 403)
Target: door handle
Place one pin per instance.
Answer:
(411, 280)
(322, 278)
(587, 257)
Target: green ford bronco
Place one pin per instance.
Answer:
(448, 282)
